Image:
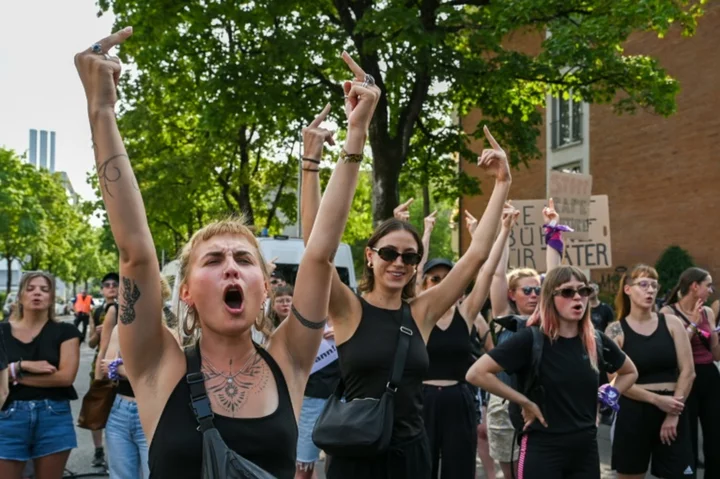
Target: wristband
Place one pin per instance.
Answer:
(350, 157)
(608, 397)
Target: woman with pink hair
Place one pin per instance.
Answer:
(559, 411)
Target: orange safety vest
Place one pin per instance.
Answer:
(83, 305)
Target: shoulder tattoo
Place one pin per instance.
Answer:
(614, 330)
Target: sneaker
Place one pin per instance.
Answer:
(99, 459)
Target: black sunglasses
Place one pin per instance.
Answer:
(569, 293)
(390, 255)
(527, 290)
(110, 284)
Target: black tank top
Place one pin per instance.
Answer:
(449, 350)
(125, 389)
(653, 355)
(270, 441)
(366, 359)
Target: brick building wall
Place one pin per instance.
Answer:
(662, 175)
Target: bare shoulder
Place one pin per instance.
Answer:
(710, 314)
(614, 331)
(674, 323)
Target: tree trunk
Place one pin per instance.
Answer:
(9, 273)
(386, 175)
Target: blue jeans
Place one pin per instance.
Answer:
(32, 429)
(307, 452)
(126, 443)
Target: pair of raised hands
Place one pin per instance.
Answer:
(509, 217)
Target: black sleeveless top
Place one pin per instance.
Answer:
(366, 359)
(270, 441)
(124, 388)
(449, 350)
(654, 355)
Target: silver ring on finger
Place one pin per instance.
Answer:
(97, 49)
(369, 80)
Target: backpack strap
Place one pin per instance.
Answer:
(199, 401)
(537, 350)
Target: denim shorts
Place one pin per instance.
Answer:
(31, 429)
(307, 451)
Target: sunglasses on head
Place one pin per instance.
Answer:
(390, 255)
(110, 284)
(569, 293)
(527, 290)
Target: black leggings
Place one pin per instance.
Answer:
(559, 456)
(702, 404)
(406, 460)
(451, 424)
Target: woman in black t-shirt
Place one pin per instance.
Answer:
(560, 439)
(36, 422)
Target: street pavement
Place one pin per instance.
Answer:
(81, 458)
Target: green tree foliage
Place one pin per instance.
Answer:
(671, 265)
(221, 86)
(41, 229)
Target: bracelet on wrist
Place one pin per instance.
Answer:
(346, 157)
(312, 170)
(311, 160)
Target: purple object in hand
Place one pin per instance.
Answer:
(609, 396)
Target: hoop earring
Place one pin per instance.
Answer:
(370, 265)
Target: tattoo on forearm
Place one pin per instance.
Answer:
(614, 330)
(130, 294)
(109, 173)
(232, 390)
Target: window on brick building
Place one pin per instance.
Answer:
(566, 122)
(574, 167)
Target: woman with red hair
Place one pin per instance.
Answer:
(560, 417)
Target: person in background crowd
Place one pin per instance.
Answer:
(277, 280)
(4, 373)
(559, 439)
(127, 446)
(686, 301)
(402, 213)
(651, 423)
(254, 394)
(514, 293)
(601, 314)
(280, 304)
(36, 421)
(103, 318)
(449, 408)
(83, 305)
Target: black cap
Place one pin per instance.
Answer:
(112, 276)
(277, 274)
(437, 262)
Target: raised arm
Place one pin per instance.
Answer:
(429, 224)
(141, 333)
(499, 301)
(314, 137)
(475, 300)
(433, 303)
(301, 333)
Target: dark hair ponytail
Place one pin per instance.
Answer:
(689, 277)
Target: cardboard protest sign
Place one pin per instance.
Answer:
(527, 240)
(571, 194)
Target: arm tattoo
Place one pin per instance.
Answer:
(130, 293)
(109, 173)
(614, 330)
(232, 390)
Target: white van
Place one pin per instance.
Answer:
(288, 252)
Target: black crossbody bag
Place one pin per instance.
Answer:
(363, 427)
(219, 461)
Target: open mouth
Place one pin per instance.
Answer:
(578, 308)
(234, 297)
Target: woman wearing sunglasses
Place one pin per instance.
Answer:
(686, 300)
(449, 408)
(367, 326)
(513, 293)
(560, 439)
(650, 423)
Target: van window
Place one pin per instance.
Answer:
(289, 273)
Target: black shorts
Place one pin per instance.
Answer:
(559, 456)
(637, 440)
